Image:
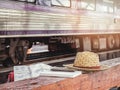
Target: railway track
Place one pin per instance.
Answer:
(62, 59)
(59, 60)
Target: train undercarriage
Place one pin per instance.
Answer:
(56, 50)
(25, 50)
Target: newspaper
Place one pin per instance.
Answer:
(31, 71)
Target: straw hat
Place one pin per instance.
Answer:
(88, 61)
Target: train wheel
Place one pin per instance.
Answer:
(111, 42)
(19, 52)
(12, 49)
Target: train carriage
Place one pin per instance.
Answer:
(58, 28)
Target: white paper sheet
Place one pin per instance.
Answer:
(25, 72)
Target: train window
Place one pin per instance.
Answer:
(108, 6)
(43, 2)
(88, 4)
(63, 3)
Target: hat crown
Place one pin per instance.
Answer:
(87, 59)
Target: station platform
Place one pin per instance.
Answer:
(99, 80)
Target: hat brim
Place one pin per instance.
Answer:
(102, 67)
